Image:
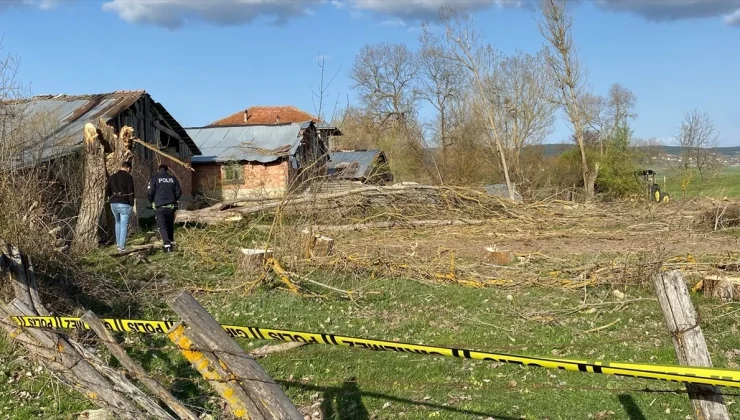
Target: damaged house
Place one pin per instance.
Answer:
(64, 116)
(265, 160)
(365, 166)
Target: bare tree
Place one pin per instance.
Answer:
(440, 83)
(606, 115)
(523, 110)
(569, 79)
(464, 47)
(698, 140)
(384, 76)
(38, 196)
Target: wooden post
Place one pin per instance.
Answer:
(83, 375)
(688, 340)
(161, 392)
(205, 342)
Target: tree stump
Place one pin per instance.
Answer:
(314, 245)
(252, 260)
(723, 288)
(496, 257)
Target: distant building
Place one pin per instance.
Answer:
(265, 160)
(261, 115)
(366, 166)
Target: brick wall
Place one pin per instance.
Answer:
(260, 179)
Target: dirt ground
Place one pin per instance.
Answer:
(547, 238)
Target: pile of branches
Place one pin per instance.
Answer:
(379, 206)
(720, 216)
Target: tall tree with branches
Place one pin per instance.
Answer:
(524, 112)
(569, 79)
(440, 83)
(465, 48)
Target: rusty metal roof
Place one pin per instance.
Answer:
(68, 114)
(354, 164)
(247, 143)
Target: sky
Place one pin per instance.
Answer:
(204, 60)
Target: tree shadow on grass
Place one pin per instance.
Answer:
(345, 402)
(631, 408)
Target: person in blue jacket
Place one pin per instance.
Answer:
(164, 192)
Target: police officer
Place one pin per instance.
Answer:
(164, 192)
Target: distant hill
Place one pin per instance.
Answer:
(556, 149)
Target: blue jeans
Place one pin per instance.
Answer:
(122, 214)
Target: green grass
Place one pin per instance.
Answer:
(726, 183)
(358, 384)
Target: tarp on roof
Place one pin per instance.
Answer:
(353, 164)
(248, 143)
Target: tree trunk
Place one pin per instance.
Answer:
(93, 193)
(121, 151)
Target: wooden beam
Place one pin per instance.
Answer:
(84, 376)
(161, 153)
(158, 390)
(167, 130)
(266, 400)
(688, 340)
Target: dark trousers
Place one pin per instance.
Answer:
(166, 223)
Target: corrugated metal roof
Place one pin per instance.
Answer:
(250, 143)
(352, 164)
(63, 118)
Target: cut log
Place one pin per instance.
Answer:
(161, 392)
(93, 193)
(497, 257)
(249, 389)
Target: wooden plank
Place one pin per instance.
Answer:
(85, 377)
(268, 400)
(208, 365)
(116, 350)
(22, 275)
(688, 340)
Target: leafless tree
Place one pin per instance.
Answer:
(384, 76)
(698, 140)
(464, 47)
(569, 78)
(38, 196)
(605, 115)
(524, 111)
(440, 83)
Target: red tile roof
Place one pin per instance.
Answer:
(266, 115)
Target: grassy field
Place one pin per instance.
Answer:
(725, 183)
(559, 300)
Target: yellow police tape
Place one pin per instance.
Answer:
(673, 373)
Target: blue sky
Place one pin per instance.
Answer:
(206, 60)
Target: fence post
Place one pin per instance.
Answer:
(688, 340)
(139, 373)
(248, 389)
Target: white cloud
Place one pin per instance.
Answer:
(671, 10)
(653, 10)
(175, 13)
(733, 19)
(429, 9)
(39, 4)
(393, 22)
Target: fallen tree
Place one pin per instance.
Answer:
(397, 196)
